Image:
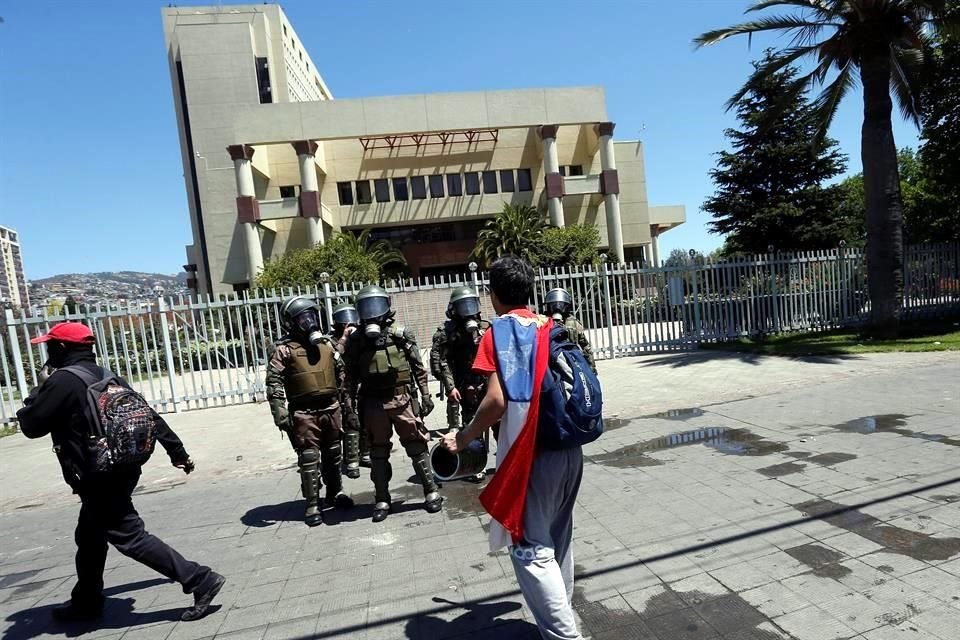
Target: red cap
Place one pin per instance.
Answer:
(72, 332)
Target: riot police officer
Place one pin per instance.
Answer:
(382, 360)
(304, 382)
(559, 306)
(451, 356)
(356, 448)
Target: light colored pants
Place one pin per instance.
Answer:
(543, 562)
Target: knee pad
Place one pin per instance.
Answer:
(415, 448)
(380, 452)
(308, 457)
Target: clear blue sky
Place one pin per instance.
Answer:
(90, 170)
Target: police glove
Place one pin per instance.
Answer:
(186, 465)
(351, 422)
(426, 405)
(282, 421)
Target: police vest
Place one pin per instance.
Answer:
(312, 374)
(387, 365)
(462, 349)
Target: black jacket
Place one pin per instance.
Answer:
(59, 407)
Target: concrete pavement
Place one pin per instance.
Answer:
(724, 502)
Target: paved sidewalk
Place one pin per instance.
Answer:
(678, 532)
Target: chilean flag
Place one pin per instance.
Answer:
(522, 346)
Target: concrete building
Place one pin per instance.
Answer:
(13, 286)
(272, 162)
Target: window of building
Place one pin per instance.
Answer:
(288, 191)
(345, 193)
(284, 29)
(436, 186)
(489, 181)
(308, 65)
(524, 181)
(381, 189)
(575, 170)
(454, 185)
(301, 55)
(507, 184)
(563, 170)
(400, 190)
(263, 80)
(473, 183)
(419, 187)
(363, 192)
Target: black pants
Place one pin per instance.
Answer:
(108, 515)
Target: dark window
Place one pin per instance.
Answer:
(563, 170)
(473, 183)
(284, 29)
(454, 184)
(507, 185)
(436, 186)
(381, 189)
(288, 191)
(575, 170)
(489, 181)
(301, 54)
(524, 182)
(263, 80)
(419, 187)
(400, 190)
(363, 192)
(345, 191)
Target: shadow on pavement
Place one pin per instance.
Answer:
(270, 514)
(478, 622)
(118, 613)
(292, 511)
(686, 359)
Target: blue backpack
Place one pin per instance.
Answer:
(571, 401)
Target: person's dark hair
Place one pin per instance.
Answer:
(512, 278)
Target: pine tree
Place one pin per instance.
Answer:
(772, 186)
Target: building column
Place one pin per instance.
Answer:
(655, 243)
(610, 188)
(309, 190)
(248, 209)
(553, 181)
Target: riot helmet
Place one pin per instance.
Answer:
(558, 304)
(301, 315)
(464, 307)
(373, 307)
(345, 315)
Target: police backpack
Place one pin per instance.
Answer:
(571, 401)
(122, 422)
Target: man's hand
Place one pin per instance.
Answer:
(449, 442)
(454, 395)
(44, 373)
(186, 465)
(426, 405)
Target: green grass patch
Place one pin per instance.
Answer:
(918, 335)
(8, 431)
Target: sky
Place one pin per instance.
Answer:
(90, 169)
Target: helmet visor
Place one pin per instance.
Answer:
(346, 316)
(466, 307)
(373, 307)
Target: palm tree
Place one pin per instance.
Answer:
(384, 254)
(516, 230)
(884, 42)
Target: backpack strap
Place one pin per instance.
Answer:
(86, 376)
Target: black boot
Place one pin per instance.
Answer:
(432, 500)
(380, 473)
(364, 443)
(330, 470)
(310, 486)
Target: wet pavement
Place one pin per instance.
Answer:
(820, 511)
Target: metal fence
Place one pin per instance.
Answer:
(185, 353)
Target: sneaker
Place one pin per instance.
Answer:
(72, 612)
(201, 601)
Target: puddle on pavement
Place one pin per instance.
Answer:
(892, 423)
(461, 499)
(782, 469)
(920, 546)
(12, 579)
(831, 458)
(612, 424)
(736, 442)
(799, 455)
(824, 561)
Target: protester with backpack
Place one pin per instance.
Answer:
(548, 400)
(102, 432)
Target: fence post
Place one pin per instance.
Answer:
(168, 352)
(15, 353)
(609, 309)
(697, 323)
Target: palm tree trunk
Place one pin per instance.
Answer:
(881, 180)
